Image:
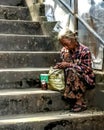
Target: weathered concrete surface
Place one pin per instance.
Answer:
(36, 10)
(22, 101)
(11, 79)
(88, 120)
(99, 76)
(48, 27)
(94, 97)
(24, 59)
(20, 27)
(29, 101)
(12, 2)
(29, 43)
(98, 102)
(14, 13)
(17, 74)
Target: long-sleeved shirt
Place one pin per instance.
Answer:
(81, 61)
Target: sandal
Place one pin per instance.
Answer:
(78, 108)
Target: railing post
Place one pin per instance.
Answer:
(75, 12)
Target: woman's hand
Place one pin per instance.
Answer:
(62, 65)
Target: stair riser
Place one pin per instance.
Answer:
(98, 99)
(14, 13)
(99, 77)
(86, 123)
(100, 85)
(19, 79)
(19, 75)
(20, 60)
(12, 2)
(30, 103)
(20, 27)
(29, 43)
(95, 96)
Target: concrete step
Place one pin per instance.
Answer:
(99, 76)
(94, 96)
(20, 27)
(10, 78)
(22, 101)
(25, 78)
(88, 120)
(15, 97)
(34, 100)
(48, 26)
(100, 85)
(12, 2)
(13, 75)
(12, 42)
(98, 99)
(24, 59)
(14, 13)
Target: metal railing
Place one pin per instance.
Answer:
(77, 17)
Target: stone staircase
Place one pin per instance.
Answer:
(25, 52)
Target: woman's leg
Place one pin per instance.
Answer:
(74, 90)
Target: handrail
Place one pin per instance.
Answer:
(82, 21)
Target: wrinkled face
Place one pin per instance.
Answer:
(69, 44)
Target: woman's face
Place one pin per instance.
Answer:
(69, 44)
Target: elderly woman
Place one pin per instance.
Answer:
(76, 61)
